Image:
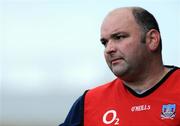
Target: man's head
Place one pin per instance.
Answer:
(146, 21)
(132, 40)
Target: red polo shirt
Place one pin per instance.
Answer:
(114, 104)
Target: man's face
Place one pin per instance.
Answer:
(124, 50)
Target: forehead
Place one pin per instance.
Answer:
(117, 21)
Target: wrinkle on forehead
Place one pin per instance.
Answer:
(118, 17)
(119, 11)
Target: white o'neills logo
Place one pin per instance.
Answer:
(110, 117)
(140, 108)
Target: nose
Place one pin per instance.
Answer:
(110, 47)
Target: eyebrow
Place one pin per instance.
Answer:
(117, 33)
(113, 35)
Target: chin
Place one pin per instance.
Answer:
(119, 72)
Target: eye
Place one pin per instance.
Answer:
(104, 41)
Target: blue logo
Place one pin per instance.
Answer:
(168, 111)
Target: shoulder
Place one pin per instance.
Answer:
(177, 71)
(104, 86)
(172, 78)
(76, 113)
(99, 91)
(174, 74)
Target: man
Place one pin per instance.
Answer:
(145, 91)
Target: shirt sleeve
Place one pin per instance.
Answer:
(75, 116)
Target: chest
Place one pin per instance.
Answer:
(119, 110)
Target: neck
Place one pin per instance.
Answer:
(147, 80)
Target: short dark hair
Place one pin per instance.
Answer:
(146, 21)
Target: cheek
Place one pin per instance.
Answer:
(107, 59)
(127, 48)
(131, 50)
(106, 56)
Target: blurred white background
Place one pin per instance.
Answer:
(51, 53)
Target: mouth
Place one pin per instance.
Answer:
(117, 60)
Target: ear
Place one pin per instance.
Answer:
(153, 39)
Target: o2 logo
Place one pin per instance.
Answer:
(110, 117)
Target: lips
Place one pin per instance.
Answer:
(116, 60)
